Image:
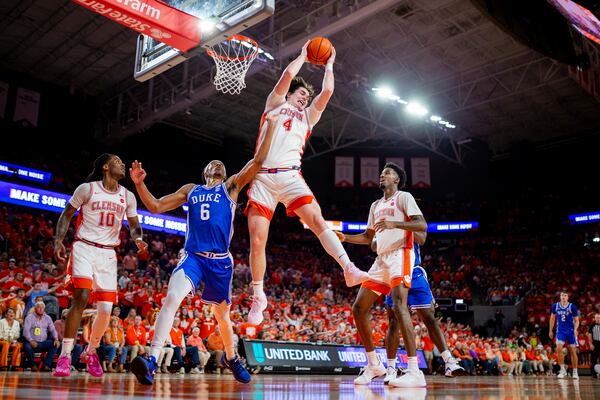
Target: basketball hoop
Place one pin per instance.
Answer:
(233, 58)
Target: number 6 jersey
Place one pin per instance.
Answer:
(101, 212)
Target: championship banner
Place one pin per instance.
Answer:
(399, 161)
(421, 175)
(344, 171)
(152, 18)
(3, 98)
(27, 107)
(280, 356)
(369, 172)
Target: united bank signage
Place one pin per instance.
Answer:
(282, 356)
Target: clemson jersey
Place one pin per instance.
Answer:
(398, 208)
(101, 212)
(291, 134)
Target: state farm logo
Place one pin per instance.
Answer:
(158, 34)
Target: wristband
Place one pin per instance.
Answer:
(329, 67)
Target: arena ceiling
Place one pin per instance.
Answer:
(444, 53)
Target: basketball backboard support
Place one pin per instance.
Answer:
(220, 20)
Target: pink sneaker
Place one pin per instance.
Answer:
(63, 366)
(93, 363)
(259, 304)
(354, 276)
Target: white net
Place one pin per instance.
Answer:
(233, 58)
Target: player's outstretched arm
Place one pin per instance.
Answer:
(320, 102)
(551, 327)
(154, 205)
(277, 96)
(362, 238)
(241, 179)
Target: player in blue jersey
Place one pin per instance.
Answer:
(206, 258)
(566, 316)
(420, 299)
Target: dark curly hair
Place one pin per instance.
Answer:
(399, 171)
(299, 82)
(96, 174)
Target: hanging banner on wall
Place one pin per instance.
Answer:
(344, 171)
(369, 172)
(3, 98)
(27, 107)
(421, 175)
(399, 161)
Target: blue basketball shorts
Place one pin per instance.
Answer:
(216, 273)
(566, 338)
(419, 294)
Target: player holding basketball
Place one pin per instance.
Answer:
(206, 258)
(102, 204)
(280, 180)
(567, 316)
(393, 220)
(421, 300)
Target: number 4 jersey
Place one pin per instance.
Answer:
(101, 212)
(210, 219)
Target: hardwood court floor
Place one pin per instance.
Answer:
(42, 386)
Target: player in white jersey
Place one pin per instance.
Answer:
(392, 220)
(92, 265)
(280, 179)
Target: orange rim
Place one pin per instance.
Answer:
(241, 38)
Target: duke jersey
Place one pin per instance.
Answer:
(209, 220)
(565, 317)
(291, 134)
(398, 208)
(101, 212)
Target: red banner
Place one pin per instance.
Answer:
(152, 18)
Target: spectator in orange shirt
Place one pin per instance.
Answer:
(181, 350)
(114, 343)
(196, 341)
(136, 338)
(214, 344)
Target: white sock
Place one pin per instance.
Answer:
(563, 367)
(67, 346)
(413, 364)
(446, 355)
(372, 357)
(391, 362)
(179, 287)
(258, 287)
(332, 245)
(104, 309)
(574, 370)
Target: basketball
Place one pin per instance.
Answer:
(319, 50)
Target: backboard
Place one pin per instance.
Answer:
(220, 20)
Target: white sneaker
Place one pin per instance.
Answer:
(411, 379)
(259, 304)
(575, 375)
(391, 373)
(562, 374)
(453, 368)
(368, 373)
(354, 276)
(182, 370)
(195, 371)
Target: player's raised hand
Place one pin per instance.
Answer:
(340, 236)
(60, 252)
(137, 173)
(331, 58)
(304, 52)
(141, 245)
(551, 334)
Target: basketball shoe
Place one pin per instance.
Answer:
(259, 304)
(412, 379)
(90, 358)
(353, 275)
(391, 373)
(368, 373)
(453, 368)
(63, 366)
(240, 373)
(144, 369)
